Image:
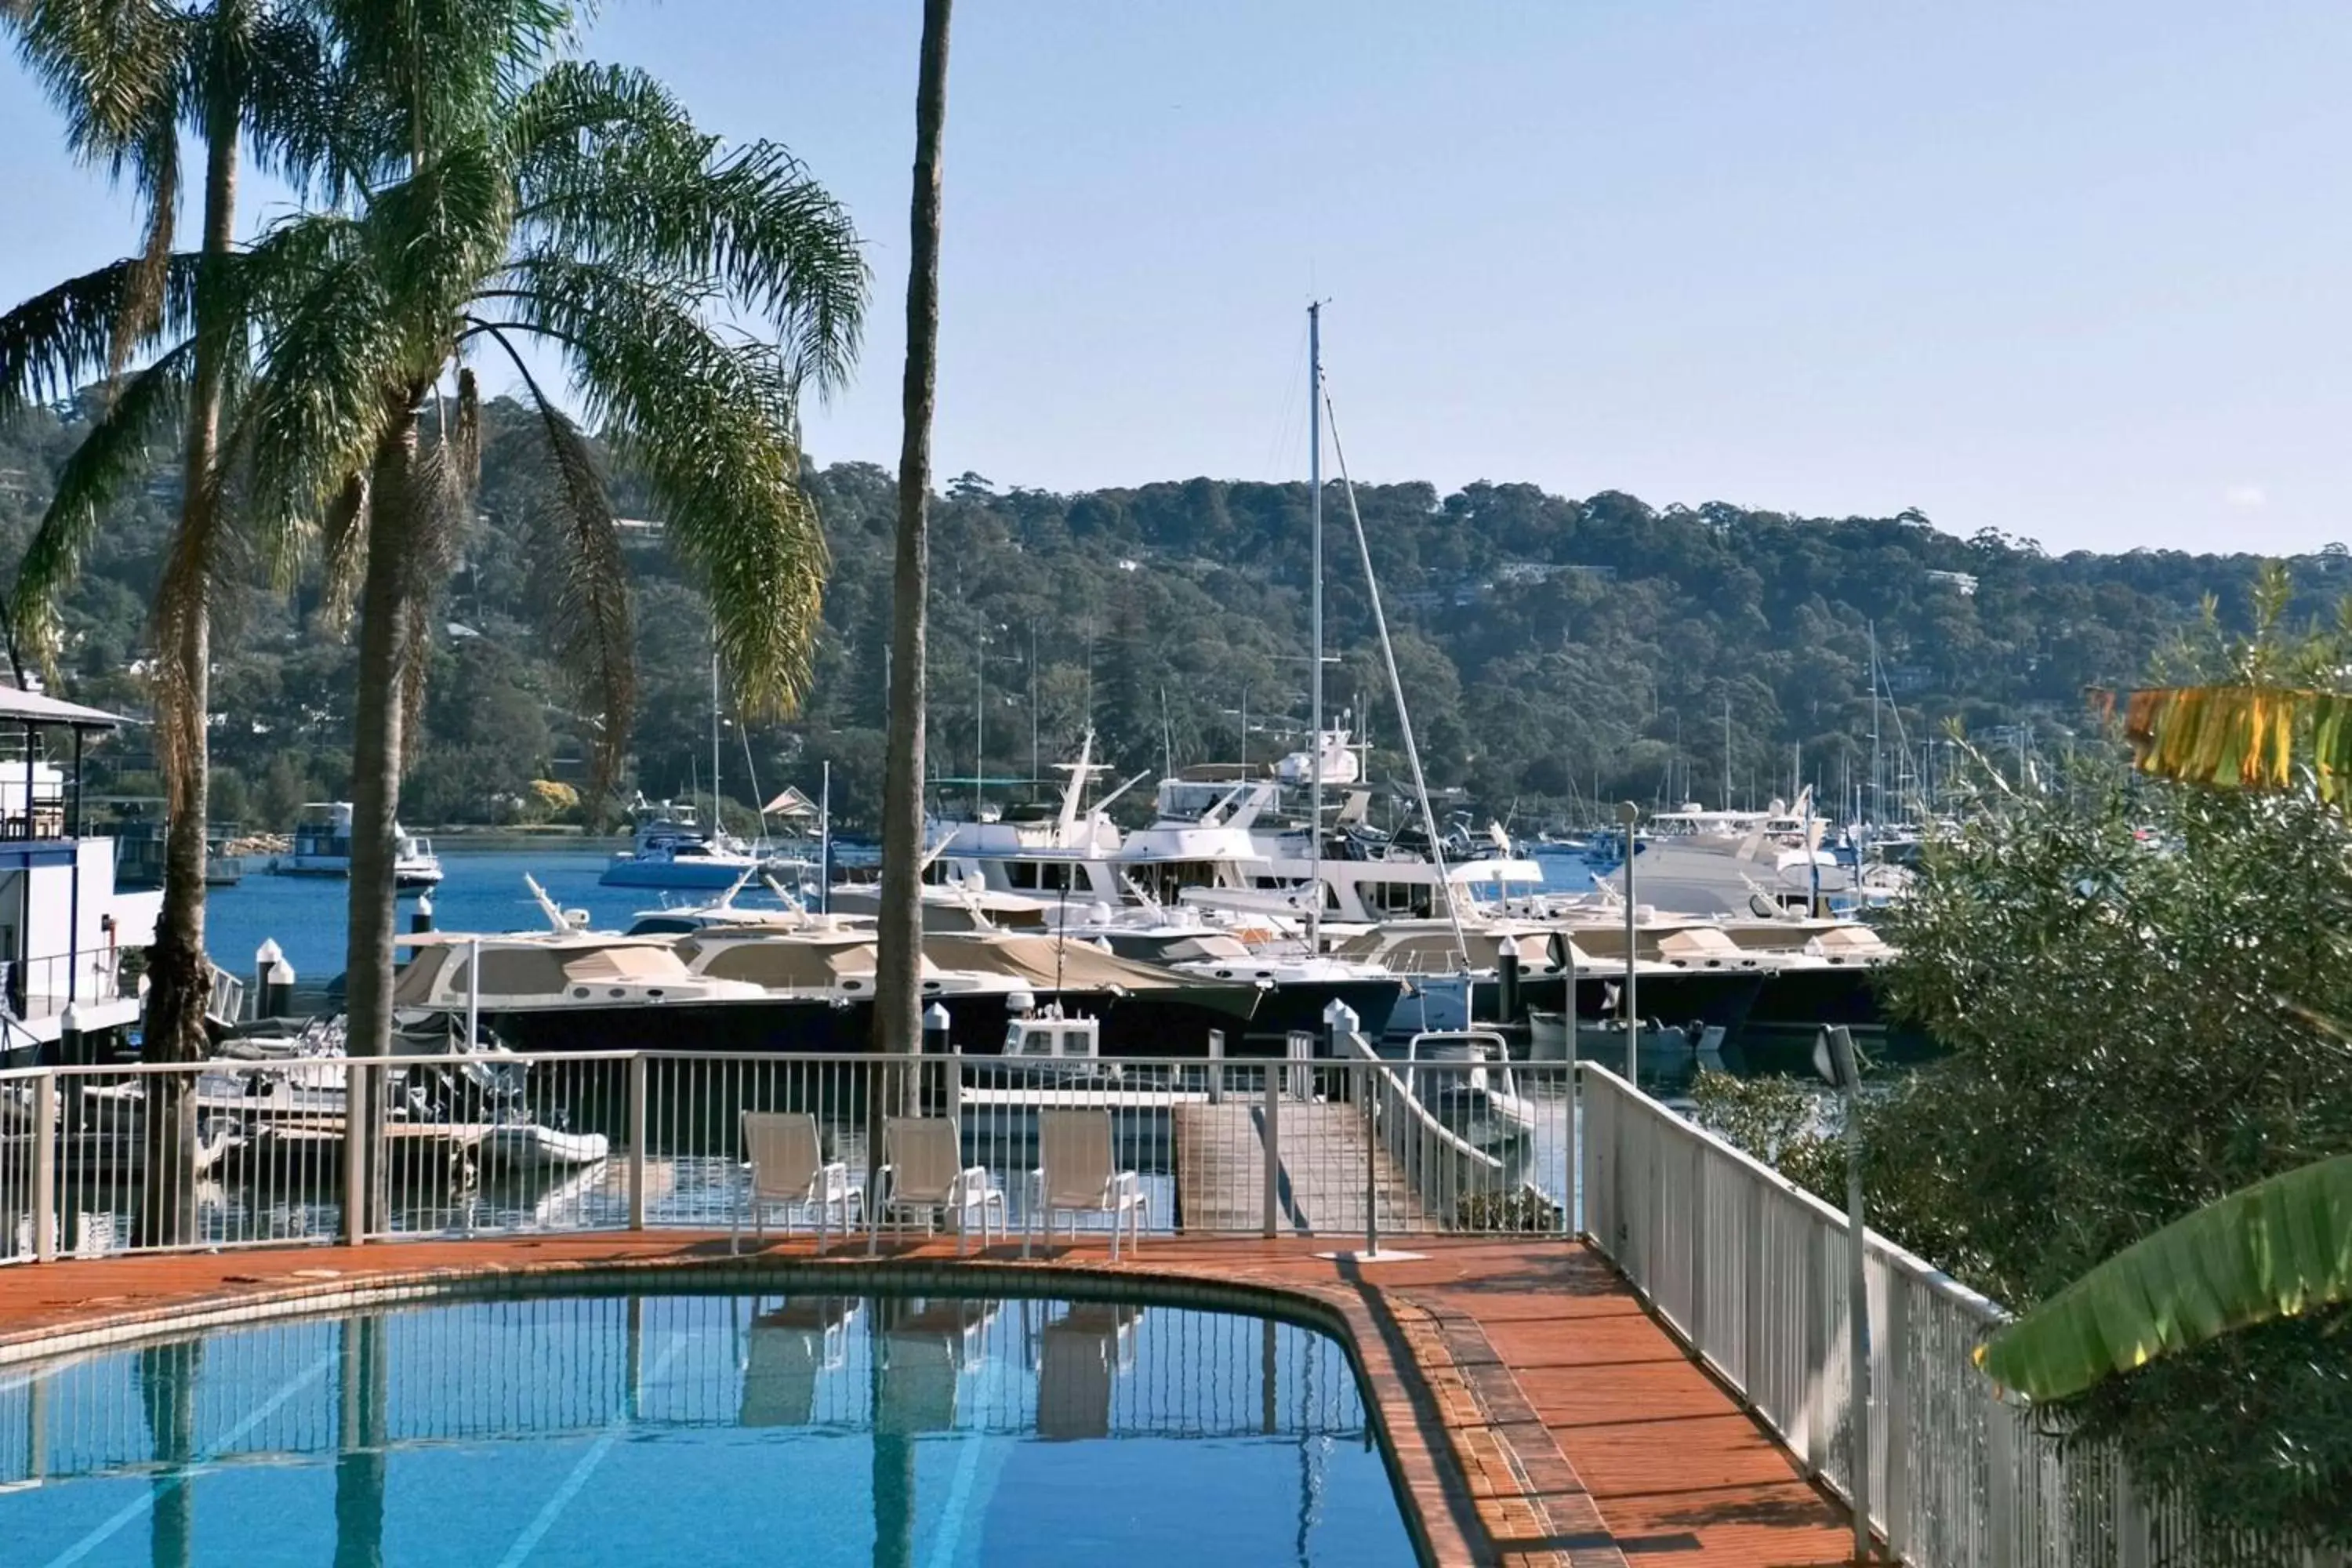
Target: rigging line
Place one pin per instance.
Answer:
(743, 730)
(1283, 440)
(1396, 686)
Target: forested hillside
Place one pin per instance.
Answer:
(1551, 647)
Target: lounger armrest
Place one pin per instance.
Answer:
(832, 1181)
(885, 1179)
(1121, 1188)
(971, 1184)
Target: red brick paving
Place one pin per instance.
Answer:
(1537, 1415)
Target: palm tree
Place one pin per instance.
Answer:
(574, 207)
(897, 995)
(129, 76)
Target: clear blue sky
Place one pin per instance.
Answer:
(2077, 271)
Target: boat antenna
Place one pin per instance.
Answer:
(1396, 689)
(1314, 575)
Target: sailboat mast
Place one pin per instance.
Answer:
(1314, 575)
(1878, 777)
(718, 820)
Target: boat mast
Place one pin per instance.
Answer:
(1315, 573)
(1727, 751)
(718, 820)
(1878, 777)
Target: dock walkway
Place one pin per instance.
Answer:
(1318, 1172)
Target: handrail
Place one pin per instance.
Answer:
(1737, 1263)
(1881, 1247)
(1429, 1126)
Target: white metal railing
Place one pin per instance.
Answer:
(1750, 1271)
(150, 1157)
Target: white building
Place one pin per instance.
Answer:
(64, 929)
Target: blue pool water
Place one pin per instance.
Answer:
(706, 1430)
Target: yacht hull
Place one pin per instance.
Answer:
(1298, 1006)
(1134, 1024)
(1810, 997)
(673, 874)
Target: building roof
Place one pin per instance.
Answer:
(22, 707)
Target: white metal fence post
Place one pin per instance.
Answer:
(1572, 1208)
(357, 1155)
(637, 1071)
(1701, 1324)
(45, 1167)
(1897, 1424)
(1371, 1165)
(1271, 1136)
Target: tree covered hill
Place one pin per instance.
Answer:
(1555, 651)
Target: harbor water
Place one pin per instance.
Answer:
(483, 891)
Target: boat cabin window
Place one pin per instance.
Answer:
(1024, 1039)
(1408, 899)
(1043, 876)
(936, 874)
(1165, 881)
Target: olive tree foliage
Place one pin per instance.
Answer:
(2132, 986)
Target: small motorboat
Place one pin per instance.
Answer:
(1463, 1077)
(527, 1146)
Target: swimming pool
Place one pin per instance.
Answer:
(710, 1429)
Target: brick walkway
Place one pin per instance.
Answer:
(1537, 1415)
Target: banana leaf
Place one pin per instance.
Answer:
(2226, 736)
(2280, 1248)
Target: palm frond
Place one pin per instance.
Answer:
(444, 68)
(331, 361)
(587, 615)
(710, 424)
(141, 311)
(111, 67)
(613, 173)
(438, 502)
(63, 338)
(112, 453)
(309, 120)
(343, 546)
(2278, 1249)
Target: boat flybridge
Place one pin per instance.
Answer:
(1217, 845)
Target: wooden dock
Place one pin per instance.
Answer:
(1319, 1178)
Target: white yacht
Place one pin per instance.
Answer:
(1706, 863)
(323, 847)
(671, 849)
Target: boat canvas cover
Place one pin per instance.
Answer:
(1047, 963)
(626, 966)
(440, 974)
(784, 963)
(1700, 944)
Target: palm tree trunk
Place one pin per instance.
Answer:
(179, 977)
(898, 1002)
(377, 747)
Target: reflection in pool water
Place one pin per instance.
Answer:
(932, 1433)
